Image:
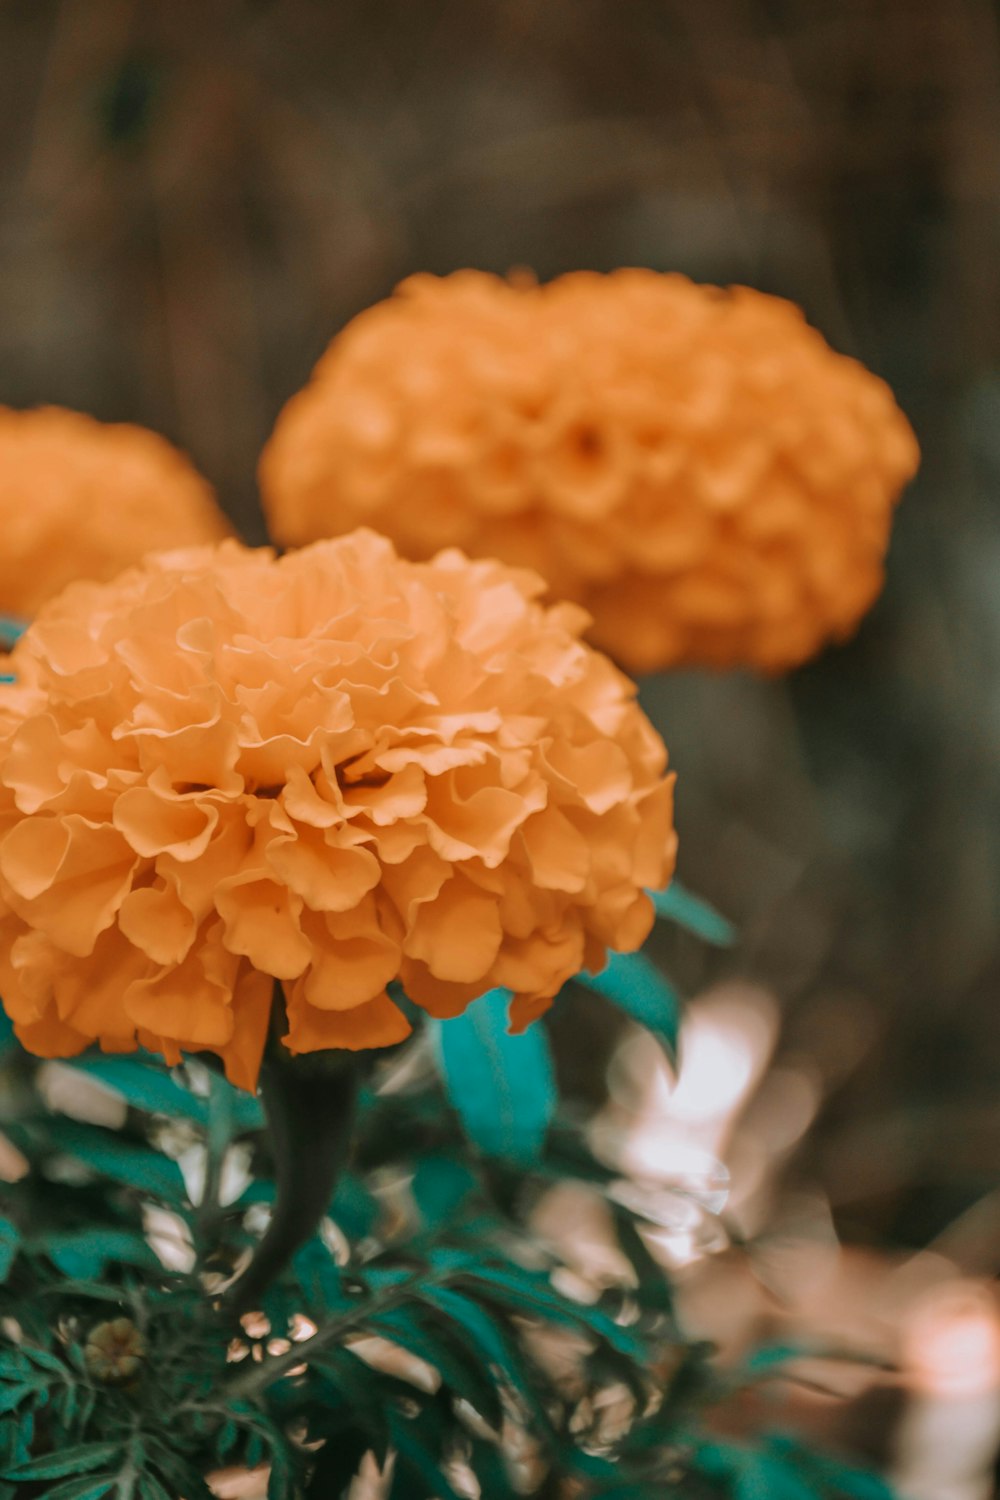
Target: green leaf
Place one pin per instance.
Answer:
(525, 1292)
(503, 1352)
(637, 987)
(144, 1085)
(82, 1489)
(86, 1253)
(138, 1167)
(411, 1453)
(11, 1396)
(655, 1291)
(679, 905)
(365, 1392)
(150, 1488)
(281, 1478)
(319, 1277)
(355, 1210)
(79, 1460)
(440, 1186)
(502, 1086)
(435, 1341)
(10, 1238)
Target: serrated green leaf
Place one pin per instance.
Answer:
(502, 1086)
(138, 1167)
(79, 1460)
(636, 986)
(679, 905)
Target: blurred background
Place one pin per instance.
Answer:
(194, 199)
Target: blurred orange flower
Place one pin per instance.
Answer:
(695, 466)
(84, 499)
(336, 769)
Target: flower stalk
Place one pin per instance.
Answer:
(309, 1104)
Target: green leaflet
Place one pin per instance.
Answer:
(150, 1488)
(11, 1396)
(82, 1489)
(434, 1338)
(637, 987)
(524, 1292)
(144, 1085)
(412, 1454)
(677, 904)
(440, 1186)
(501, 1086)
(139, 1167)
(78, 1460)
(781, 1469)
(84, 1254)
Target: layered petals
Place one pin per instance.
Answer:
(82, 499)
(695, 466)
(333, 773)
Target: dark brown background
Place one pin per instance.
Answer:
(193, 197)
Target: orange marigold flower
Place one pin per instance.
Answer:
(85, 499)
(335, 770)
(695, 466)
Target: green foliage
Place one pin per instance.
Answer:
(781, 1469)
(501, 1085)
(677, 904)
(437, 1326)
(636, 986)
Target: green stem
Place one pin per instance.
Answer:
(309, 1105)
(259, 1377)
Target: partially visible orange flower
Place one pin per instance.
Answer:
(695, 466)
(335, 770)
(85, 499)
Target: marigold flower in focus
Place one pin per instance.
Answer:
(335, 770)
(85, 499)
(695, 466)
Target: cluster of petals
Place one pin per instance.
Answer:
(695, 466)
(85, 499)
(335, 770)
